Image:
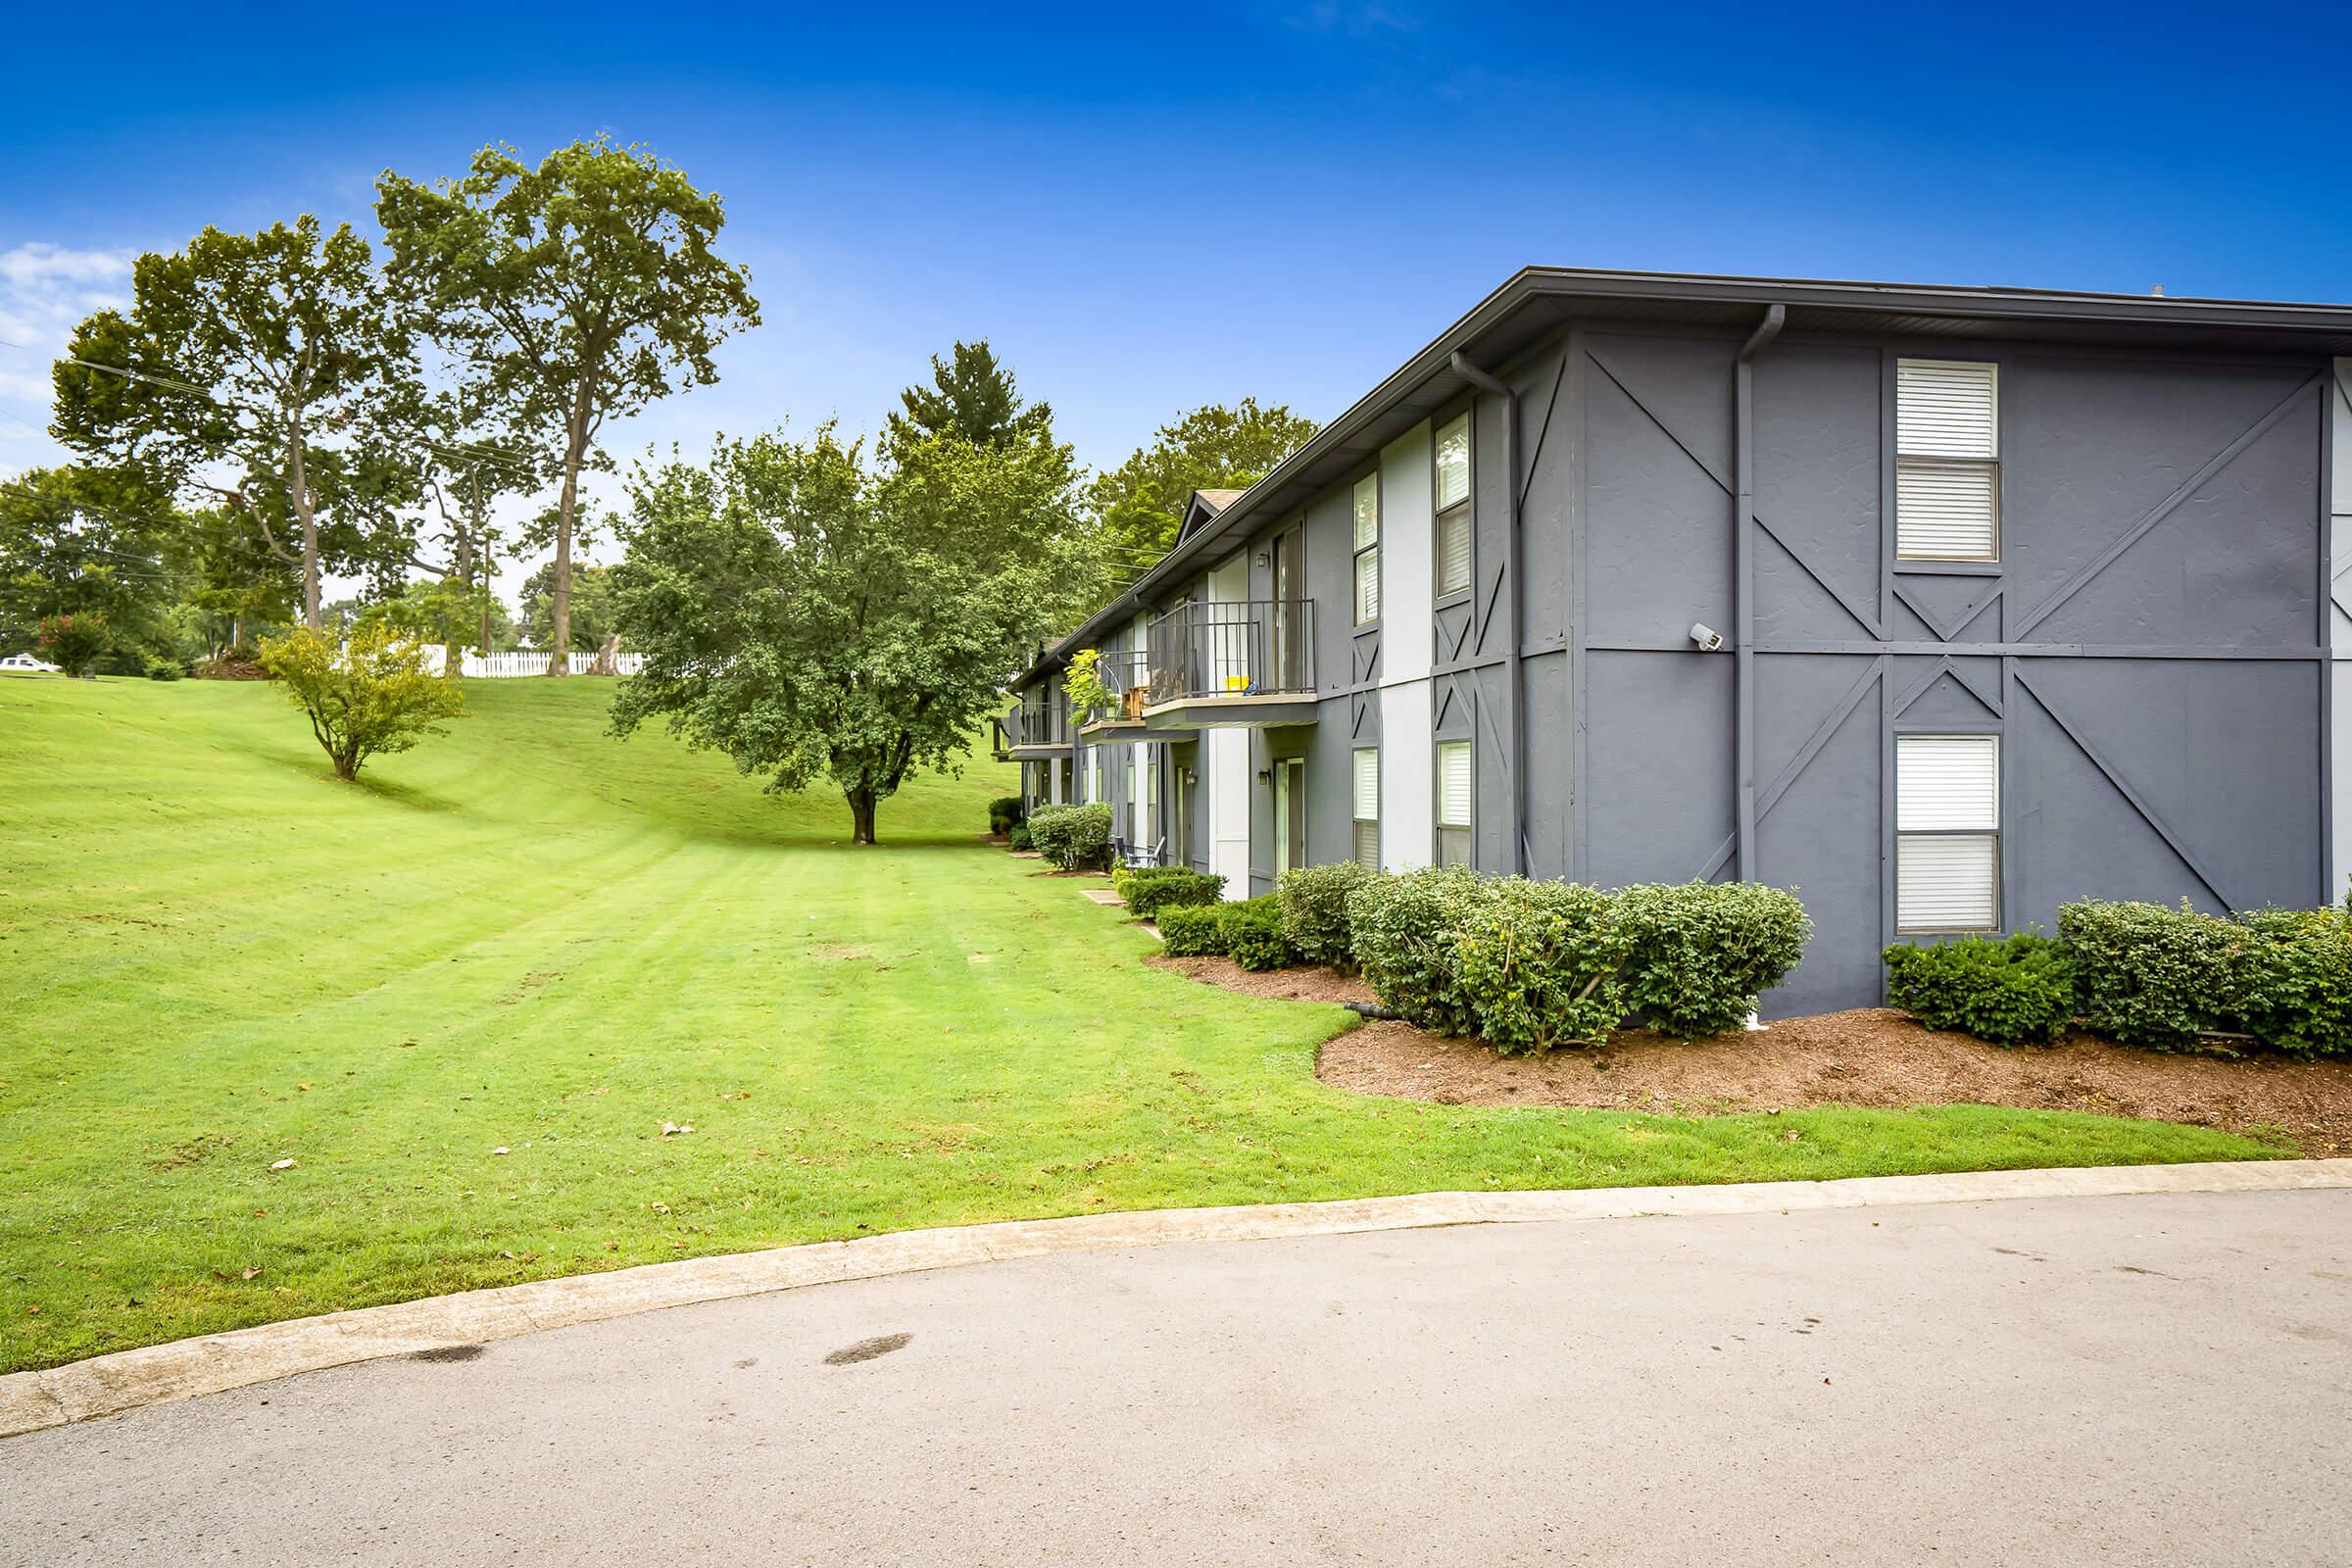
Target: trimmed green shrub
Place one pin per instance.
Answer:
(2010, 991)
(1701, 953)
(1073, 837)
(1018, 838)
(1191, 930)
(1149, 891)
(2156, 977)
(1314, 909)
(1539, 964)
(1248, 931)
(2298, 997)
(1004, 814)
(1406, 934)
(1253, 934)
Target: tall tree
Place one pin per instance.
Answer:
(1138, 505)
(591, 604)
(590, 283)
(73, 543)
(247, 372)
(816, 618)
(971, 395)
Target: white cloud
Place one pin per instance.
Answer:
(45, 292)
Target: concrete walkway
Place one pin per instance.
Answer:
(2160, 1378)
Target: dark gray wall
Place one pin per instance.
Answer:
(2146, 648)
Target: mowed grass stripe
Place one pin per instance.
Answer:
(533, 937)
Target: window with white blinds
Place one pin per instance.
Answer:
(1947, 471)
(1451, 480)
(1948, 820)
(1367, 549)
(1453, 803)
(1367, 807)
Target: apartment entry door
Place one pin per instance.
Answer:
(1290, 813)
(1290, 609)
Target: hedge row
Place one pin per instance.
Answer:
(1528, 965)
(1153, 889)
(1075, 838)
(1248, 931)
(1005, 813)
(2145, 975)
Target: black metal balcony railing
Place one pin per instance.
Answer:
(1033, 724)
(1243, 648)
(1127, 673)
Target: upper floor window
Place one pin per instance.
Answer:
(1367, 549)
(1947, 833)
(1453, 479)
(1453, 803)
(1947, 462)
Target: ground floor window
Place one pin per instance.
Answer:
(1947, 833)
(1367, 807)
(1453, 803)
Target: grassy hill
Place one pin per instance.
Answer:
(465, 995)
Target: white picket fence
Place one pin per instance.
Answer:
(498, 667)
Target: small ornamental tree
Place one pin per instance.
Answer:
(373, 693)
(74, 643)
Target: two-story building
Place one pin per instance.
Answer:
(1942, 606)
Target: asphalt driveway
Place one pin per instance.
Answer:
(2162, 1379)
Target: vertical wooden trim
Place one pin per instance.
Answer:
(2332, 875)
(1575, 848)
(1886, 361)
(1886, 810)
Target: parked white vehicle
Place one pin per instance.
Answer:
(26, 665)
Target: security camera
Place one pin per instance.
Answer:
(1706, 636)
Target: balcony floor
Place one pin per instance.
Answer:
(1257, 710)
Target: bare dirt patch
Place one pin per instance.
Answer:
(1873, 1057)
(1869, 1057)
(1288, 985)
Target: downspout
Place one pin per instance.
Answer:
(1514, 687)
(1743, 590)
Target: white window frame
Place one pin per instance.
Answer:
(1915, 457)
(1447, 515)
(1986, 831)
(1356, 804)
(1462, 749)
(1364, 569)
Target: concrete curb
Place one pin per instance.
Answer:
(106, 1384)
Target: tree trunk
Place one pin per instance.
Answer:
(461, 571)
(237, 630)
(300, 489)
(607, 656)
(576, 449)
(862, 814)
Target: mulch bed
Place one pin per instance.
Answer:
(1870, 1057)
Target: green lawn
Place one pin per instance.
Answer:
(531, 936)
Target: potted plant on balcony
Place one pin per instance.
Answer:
(1084, 686)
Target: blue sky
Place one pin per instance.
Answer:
(1144, 212)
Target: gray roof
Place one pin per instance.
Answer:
(1537, 301)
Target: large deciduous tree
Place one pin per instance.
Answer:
(817, 617)
(1138, 505)
(588, 282)
(248, 371)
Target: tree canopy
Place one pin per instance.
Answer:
(971, 395)
(816, 616)
(251, 370)
(587, 285)
(1138, 505)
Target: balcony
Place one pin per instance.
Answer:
(1129, 674)
(1033, 732)
(1239, 663)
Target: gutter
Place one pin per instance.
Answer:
(1515, 678)
(1743, 581)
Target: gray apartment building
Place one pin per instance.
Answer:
(1941, 606)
